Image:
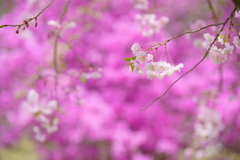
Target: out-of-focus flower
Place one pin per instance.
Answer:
(236, 41)
(198, 24)
(141, 4)
(149, 24)
(38, 135)
(33, 105)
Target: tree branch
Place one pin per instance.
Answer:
(25, 22)
(168, 40)
(223, 25)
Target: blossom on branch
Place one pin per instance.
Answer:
(143, 62)
(218, 54)
(41, 111)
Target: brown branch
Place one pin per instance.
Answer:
(215, 17)
(223, 25)
(25, 22)
(58, 34)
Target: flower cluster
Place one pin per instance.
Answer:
(149, 24)
(41, 111)
(206, 129)
(218, 54)
(143, 62)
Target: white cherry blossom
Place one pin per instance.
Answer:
(135, 48)
(228, 48)
(143, 57)
(217, 55)
(208, 40)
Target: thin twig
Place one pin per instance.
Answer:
(55, 45)
(58, 33)
(28, 20)
(55, 49)
(168, 40)
(223, 25)
(220, 68)
(83, 61)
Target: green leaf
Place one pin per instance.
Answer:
(132, 67)
(129, 59)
